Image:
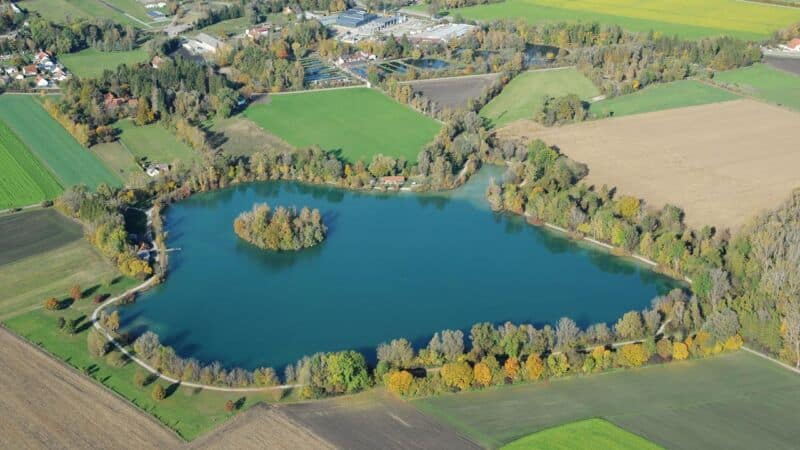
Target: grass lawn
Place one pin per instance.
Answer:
(243, 137)
(587, 434)
(690, 19)
(661, 96)
(525, 94)
(90, 63)
(189, 412)
(764, 82)
(733, 401)
(154, 143)
(360, 122)
(24, 180)
(117, 158)
(228, 27)
(71, 163)
(36, 231)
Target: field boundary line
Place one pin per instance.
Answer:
(305, 91)
(768, 4)
(46, 353)
(147, 284)
(769, 358)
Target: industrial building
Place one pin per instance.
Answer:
(354, 18)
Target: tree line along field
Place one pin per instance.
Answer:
(69, 161)
(360, 122)
(764, 82)
(586, 434)
(23, 178)
(690, 19)
(90, 62)
(678, 94)
(525, 94)
(708, 403)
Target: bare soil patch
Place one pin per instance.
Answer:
(374, 419)
(262, 426)
(47, 405)
(454, 92)
(722, 163)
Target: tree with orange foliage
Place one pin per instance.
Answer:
(511, 368)
(75, 292)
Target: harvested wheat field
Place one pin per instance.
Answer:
(722, 163)
(262, 426)
(46, 405)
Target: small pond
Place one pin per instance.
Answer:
(394, 265)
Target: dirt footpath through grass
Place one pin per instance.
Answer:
(722, 163)
(47, 405)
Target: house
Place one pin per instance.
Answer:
(112, 101)
(202, 43)
(60, 74)
(30, 70)
(11, 70)
(393, 180)
(791, 46)
(42, 56)
(257, 32)
(42, 82)
(155, 170)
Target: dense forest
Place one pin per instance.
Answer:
(280, 229)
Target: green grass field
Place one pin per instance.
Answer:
(23, 178)
(360, 122)
(732, 401)
(188, 412)
(661, 96)
(36, 231)
(91, 63)
(689, 19)
(525, 94)
(60, 10)
(62, 154)
(587, 434)
(764, 82)
(154, 143)
(119, 160)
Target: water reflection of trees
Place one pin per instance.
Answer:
(277, 261)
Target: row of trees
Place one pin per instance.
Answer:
(72, 36)
(280, 229)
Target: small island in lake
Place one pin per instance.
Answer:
(280, 229)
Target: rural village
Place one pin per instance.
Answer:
(291, 224)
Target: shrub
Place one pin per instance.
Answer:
(633, 355)
(51, 304)
(140, 378)
(482, 374)
(457, 375)
(229, 406)
(664, 348)
(75, 292)
(400, 382)
(680, 351)
(158, 393)
(116, 359)
(734, 342)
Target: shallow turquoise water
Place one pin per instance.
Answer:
(394, 265)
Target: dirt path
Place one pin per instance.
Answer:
(45, 404)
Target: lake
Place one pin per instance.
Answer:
(393, 265)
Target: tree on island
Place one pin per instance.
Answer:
(280, 229)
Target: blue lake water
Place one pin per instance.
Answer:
(394, 265)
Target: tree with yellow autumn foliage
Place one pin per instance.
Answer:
(457, 375)
(482, 374)
(534, 367)
(680, 351)
(400, 382)
(511, 368)
(633, 355)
